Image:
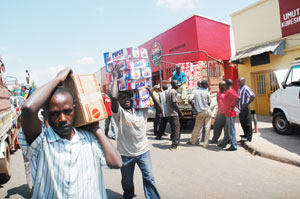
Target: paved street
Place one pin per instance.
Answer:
(193, 172)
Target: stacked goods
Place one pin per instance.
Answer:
(88, 99)
(134, 72)
(188, 69)
(4, 99)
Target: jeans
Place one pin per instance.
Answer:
(203, 116)
(218, 126)
(231, 131)
(109, 120)
(127, 171)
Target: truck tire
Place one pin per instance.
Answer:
(4, 177)
(281, 125)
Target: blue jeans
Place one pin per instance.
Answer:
(109, 120)
(231, 131)
(127, 171)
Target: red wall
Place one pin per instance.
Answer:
(194, 34)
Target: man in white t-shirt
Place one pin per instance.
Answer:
(132, 142)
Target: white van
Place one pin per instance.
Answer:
(285, 102)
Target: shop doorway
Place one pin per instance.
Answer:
(265, 83)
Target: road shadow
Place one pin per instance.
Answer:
(163, 146)
(288, 142)
(113, 195)
(21, 190)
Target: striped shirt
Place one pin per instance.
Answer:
(201, 98)
(163, 101)
(61, 168)
(244, 93)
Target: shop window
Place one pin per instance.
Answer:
(260, 59)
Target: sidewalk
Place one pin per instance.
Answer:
(267, 143)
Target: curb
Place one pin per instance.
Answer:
(255, 151)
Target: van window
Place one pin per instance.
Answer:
(294, 77)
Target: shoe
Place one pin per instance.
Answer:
(249, 139)
(231, 149)
(158, 138)
(165, 134)
(113, 138)
(243, 136)
(174, 148)
(189, 143)
(205, 145)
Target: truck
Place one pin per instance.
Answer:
(8, 118)
(285, 102)
(208, 68)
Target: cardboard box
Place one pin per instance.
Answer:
(88, 99)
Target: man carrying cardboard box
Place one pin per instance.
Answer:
(65, 161)
(132, 141)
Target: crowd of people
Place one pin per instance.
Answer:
(66, 162)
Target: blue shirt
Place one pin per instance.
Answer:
(180, 78)
(65, 169)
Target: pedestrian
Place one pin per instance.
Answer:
(220, 120)
(201, 103)
(181, 78)
(109, 121)
(132, 141)
(174, 113)
(231, 100)
(158, 115)
(247, 96)
(164, 119)
(65, 161)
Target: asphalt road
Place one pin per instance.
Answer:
(192, 172)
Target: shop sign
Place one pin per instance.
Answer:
(156, 53)
(289, 17)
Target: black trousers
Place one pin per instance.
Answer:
(156, 123)
(162, 126)
(246, 121)
(219, 125)
(175, 130)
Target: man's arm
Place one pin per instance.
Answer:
(112, 156)
(157, 104)
(114, 92)
(30, 122)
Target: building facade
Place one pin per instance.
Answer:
(267, 39)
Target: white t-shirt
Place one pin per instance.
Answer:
(131, 140)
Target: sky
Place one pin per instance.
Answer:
(46, 36)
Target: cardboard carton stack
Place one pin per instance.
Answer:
(134, 72)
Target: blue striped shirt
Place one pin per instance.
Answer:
(245, 93)
(65, 169)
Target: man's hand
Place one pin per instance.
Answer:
(115, 71)
(93, 127)
(62, 75)
(180, 114)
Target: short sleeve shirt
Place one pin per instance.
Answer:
(229, 100)
(201, 98)
(62, 168)
(171, 98)
(131, 140)
(180, 78)
(220, 99)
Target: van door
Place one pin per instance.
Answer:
(291, 95)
